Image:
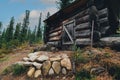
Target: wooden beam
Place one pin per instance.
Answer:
(55, 34)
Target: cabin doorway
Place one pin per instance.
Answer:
(68, 32)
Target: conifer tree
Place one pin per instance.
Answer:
(9, 31)
(64, 3)
(17, 31)
(39, 31)
(25, 26)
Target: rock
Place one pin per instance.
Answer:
(56, 66)
(64, 71)
(55, 59)
(37, 65)
(25, 59)
(46, 67)
(97, 70)
(33, 58)
(64, 56)
(42, 58)
(24, 63)
(30, 54)
(64, 78)
(31, 72)
(66, 63)
(37, 73)
(51, 72)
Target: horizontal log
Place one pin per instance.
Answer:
(82, 26)
(82, 31)
(83, 41)
(83, 34)
(103, 11)
(104, 24)
(104, 29)
(54, 43)
(82, 20)
(56, 29)
(103, 20)
(81, 14)
(55, 38)
(55, 34)
(113, 42)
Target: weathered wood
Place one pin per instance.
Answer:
(82, 26)
(104, 29)
(56, 29)
(103, 20)
(82, 20)
(113, 42)
(83, 41)
(53, 43)
(55, 38)
(55, 34)
(103, 11)
(104, 24)
(82, 34)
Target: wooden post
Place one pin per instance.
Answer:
(92, 33)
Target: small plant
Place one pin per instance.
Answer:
(78, 56)
(18, 69)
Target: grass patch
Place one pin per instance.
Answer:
(4, 59)
(18, 69)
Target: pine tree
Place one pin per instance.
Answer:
(17, 31)
(28, 34)
(25, 26)
(33, 36)
(64, 3)
(9, 31)
(39, 31)
(0, 26)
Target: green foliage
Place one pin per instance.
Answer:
(18, 69)
(78, 56)
(64, 3)
(39, 30)
(83, 75)
(24, 29)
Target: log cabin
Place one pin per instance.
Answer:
(78, 21)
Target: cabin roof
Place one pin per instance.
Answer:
(67, 10)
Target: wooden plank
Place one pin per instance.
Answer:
(82, 20)
(82, 31)
(82, 26)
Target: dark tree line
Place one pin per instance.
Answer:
(15, 35)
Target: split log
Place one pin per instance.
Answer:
(82, 20)
(82, 26)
